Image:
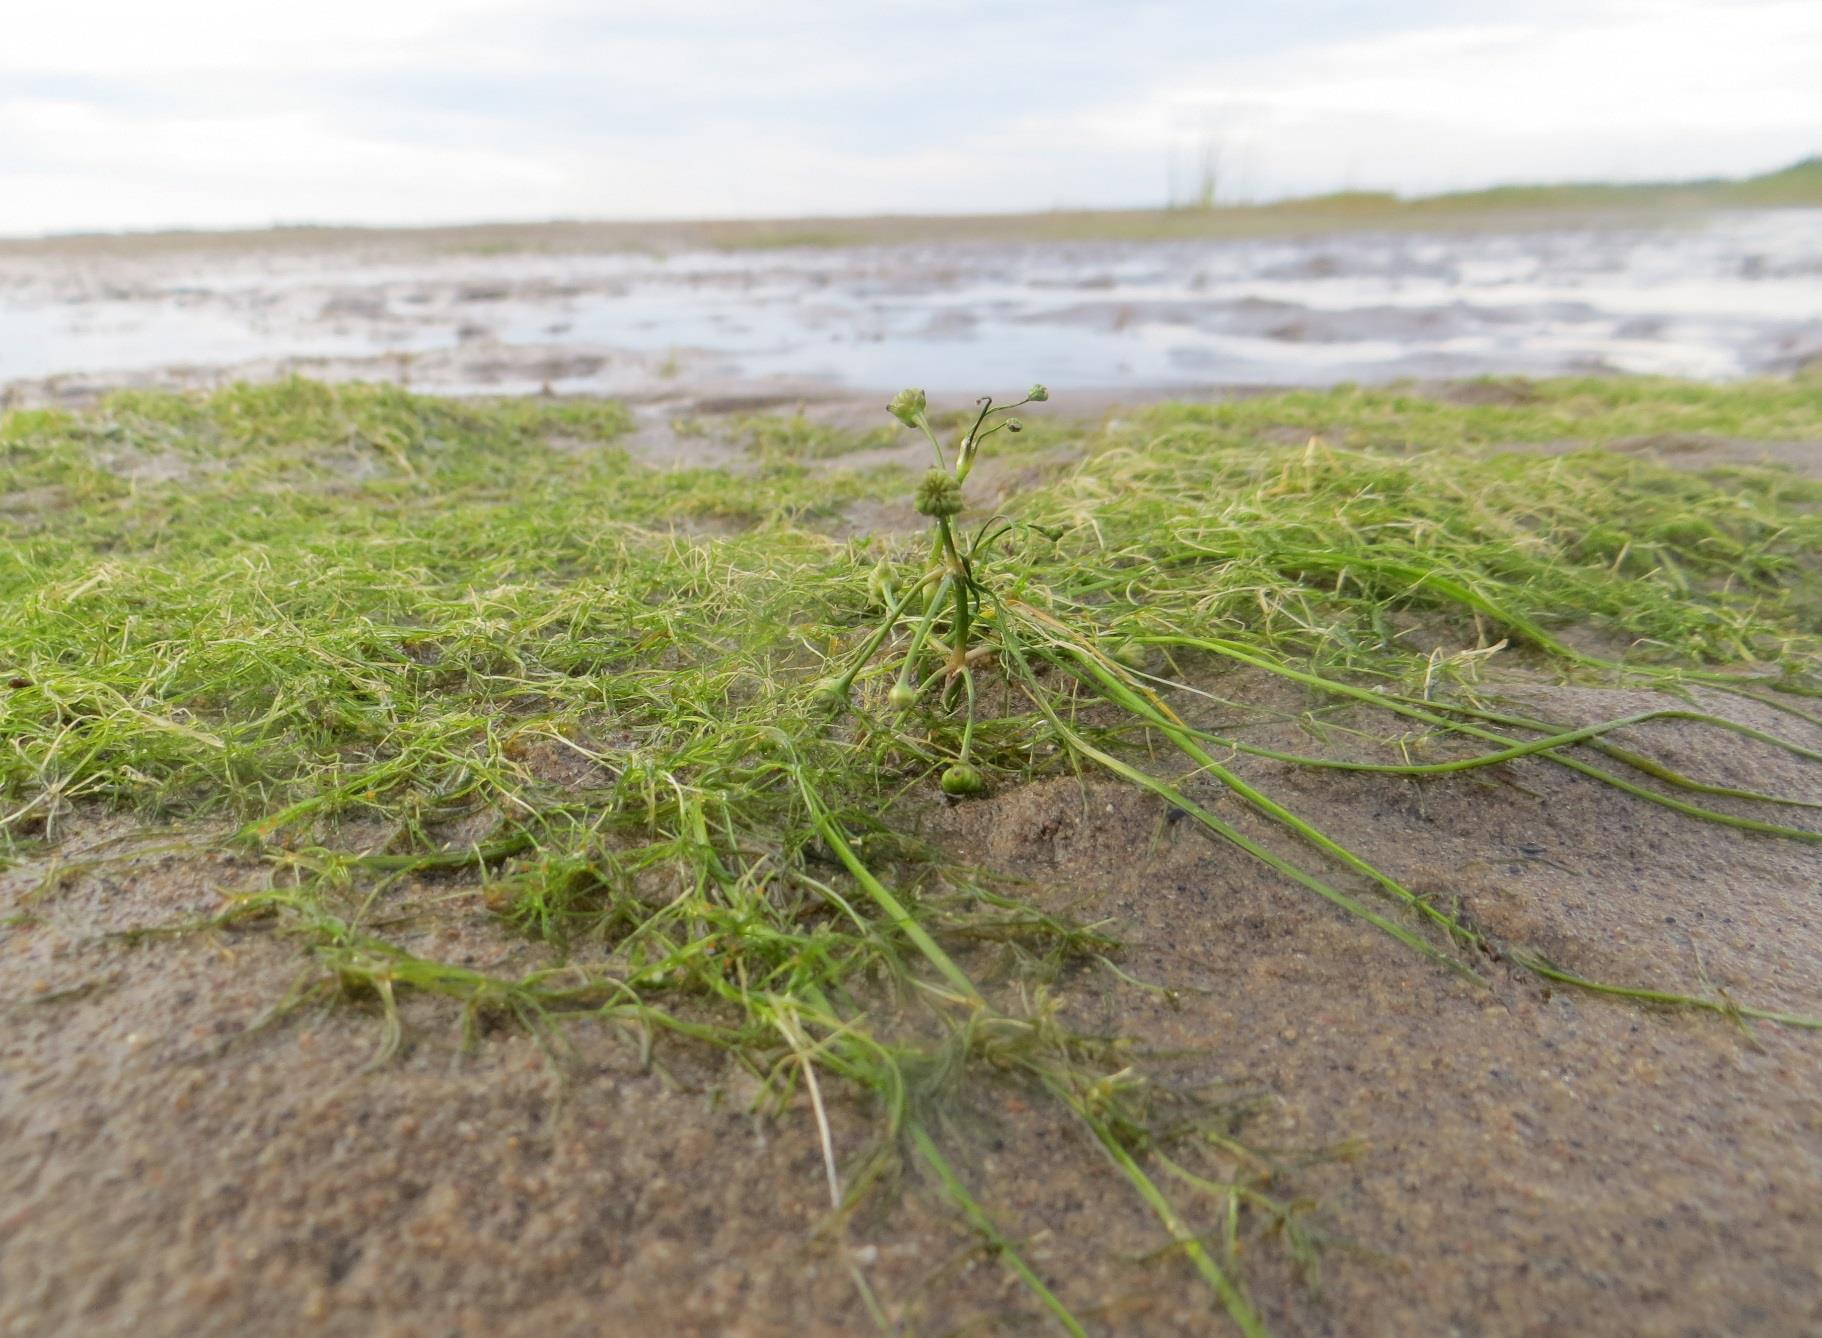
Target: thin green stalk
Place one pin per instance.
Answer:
(978, 1217)
(1566, 738)
(922, 634)
(1118, 691)
(1726, 1007)
(1239, 1309)
(1177, 799)
(1387, 702)
(895, 912)
(879, 634)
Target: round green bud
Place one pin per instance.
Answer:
(1014, 425)
(939, 494)
(907, 406)
(962, 780)
(903, 695)
(1037, 394)
(830, 692)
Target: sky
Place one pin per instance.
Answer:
(124, 114)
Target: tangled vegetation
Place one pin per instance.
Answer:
(432, 657)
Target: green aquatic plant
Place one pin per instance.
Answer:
(946, 594)
(957, 614)
(974, 604)
(671, 731)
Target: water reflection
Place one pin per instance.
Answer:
(1732, 295)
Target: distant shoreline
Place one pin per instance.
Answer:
(1584, 204)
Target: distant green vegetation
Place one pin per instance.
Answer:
(1588, 203)
(473, 659)
(1798, 184)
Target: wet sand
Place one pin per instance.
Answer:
(1519, 1159)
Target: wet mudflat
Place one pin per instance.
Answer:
(1714, 295)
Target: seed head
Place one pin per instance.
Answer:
(907, 406)
(939, 494)
(879, 583)
(1037, 394)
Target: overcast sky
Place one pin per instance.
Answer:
(146, 113)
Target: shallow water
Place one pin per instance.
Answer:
(1723, 296)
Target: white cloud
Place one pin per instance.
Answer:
(184, 37)
(1628, 91)
(201, 112)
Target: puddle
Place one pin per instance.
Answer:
(1733, 295)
